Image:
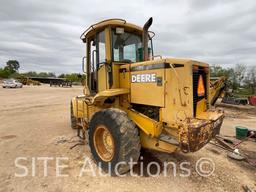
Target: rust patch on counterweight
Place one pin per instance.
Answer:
(196, 133)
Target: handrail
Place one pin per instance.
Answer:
(153, 34)
(92, 26)
(83, 64)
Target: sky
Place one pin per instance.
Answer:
(43, 35)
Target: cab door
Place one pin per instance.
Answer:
(103, 59)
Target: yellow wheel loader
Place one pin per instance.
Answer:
(134, 99)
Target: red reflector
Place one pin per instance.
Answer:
(200, 87)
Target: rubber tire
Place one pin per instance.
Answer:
(73, 119)
(125, 135)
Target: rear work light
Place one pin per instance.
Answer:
(200, 87)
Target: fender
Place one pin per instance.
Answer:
(103, 95)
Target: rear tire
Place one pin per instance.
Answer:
(125, 140)
(73, 119)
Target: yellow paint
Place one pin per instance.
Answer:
(149, 126)
(124, 77)
(102, 78)
(114, 23)
(108, 93)
(148, 93)
(116, 81)
(216, 88)
(173, 96)
(155, 144)
(201, 106)
(108, 44)
(178, 95)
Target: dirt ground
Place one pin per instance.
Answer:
(34, 123)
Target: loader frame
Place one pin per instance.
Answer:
(182, 120)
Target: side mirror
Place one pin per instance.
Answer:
(84, 65)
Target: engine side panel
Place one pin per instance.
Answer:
(147, 87)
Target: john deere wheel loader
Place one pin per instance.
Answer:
(133, 100)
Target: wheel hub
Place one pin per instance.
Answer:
(104, 143)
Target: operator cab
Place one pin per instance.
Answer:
(110, 43)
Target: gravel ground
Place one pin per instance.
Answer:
(35, 124)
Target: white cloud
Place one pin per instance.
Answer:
(44, 35)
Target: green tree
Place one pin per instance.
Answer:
(40, 74)
(46, 74)
(4, 73)
(74, 77)
(250, 80)
(240, 70)
(30, 74)
(234, 75)
(12, 66)
(62, 75)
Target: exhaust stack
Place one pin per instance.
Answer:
(145, 37)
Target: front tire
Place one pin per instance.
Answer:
(114, 140)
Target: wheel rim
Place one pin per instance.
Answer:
(103, 143)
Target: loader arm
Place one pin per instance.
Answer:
(216, 89)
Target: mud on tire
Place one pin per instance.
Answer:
(125, 137)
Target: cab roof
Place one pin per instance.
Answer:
(93, 29)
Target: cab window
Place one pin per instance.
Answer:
(101, 47)
(126, 47)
